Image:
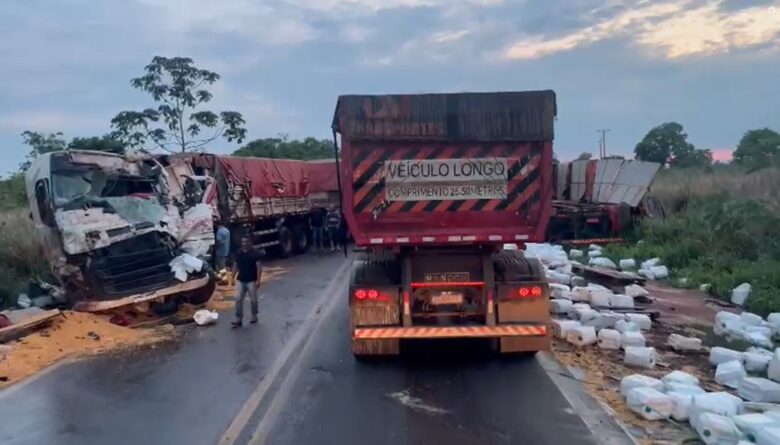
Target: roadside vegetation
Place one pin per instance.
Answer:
(723, 224)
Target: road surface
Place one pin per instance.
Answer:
(291, 379)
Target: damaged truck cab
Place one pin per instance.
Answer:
(111, 229)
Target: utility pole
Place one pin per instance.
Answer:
(603, 142)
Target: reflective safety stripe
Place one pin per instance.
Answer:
(451, 332)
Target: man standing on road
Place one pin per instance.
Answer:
(334, 220)
(222, 249)
(248, 270)
(317, 228)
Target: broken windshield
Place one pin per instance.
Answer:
(89, 185)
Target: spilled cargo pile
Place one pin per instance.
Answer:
(648, 369)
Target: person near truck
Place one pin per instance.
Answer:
(333, 221)
(247, 272)
(222, 250)
(318, 228)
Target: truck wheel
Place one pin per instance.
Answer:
(202, 295)
(300, 238)
(285, 248)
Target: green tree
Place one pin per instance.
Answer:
(758, 148)
(179, 90)
(107, 143)
(668, 143)
(42, 143)
(284, 148)
(12, 192)
(584, 156)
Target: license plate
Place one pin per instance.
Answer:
(447, 298)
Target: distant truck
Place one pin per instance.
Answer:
(596, 200)
(434, 186)
(110, 227)
(270, 200)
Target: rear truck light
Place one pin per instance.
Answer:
(455, 239)
(428, 239)
(407, 309)
(448, 284)
(402, 240)
(521, 237)
(495, 238)
(592, 220)
(377, 241)
(370, 295)
(529, 292)
(470, 238)
(490, 301)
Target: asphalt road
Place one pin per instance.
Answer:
(291, 379)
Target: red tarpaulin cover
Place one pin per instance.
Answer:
(322, 176)
(270, 178)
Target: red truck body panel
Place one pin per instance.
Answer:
(444, 169)
(263, 178)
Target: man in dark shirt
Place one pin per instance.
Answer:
(247, 272)
(318, 228)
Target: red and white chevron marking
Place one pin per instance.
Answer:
(451, 332)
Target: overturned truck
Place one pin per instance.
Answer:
(114, 232)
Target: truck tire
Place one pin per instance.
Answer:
(300, 238)
(202, 295)
(513, 266)
(285, 248)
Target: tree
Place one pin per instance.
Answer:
(758, 148)
(42, 143)
(107, 143)
(12, 192)
(285, 148)
(178, 89)
(668, 143)
(585, 156)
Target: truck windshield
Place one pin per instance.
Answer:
(71, 186)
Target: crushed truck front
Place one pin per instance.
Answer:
(111, 229)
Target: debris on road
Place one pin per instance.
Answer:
(205, 317)
(700, 350)
(21, 325)
(72, 334)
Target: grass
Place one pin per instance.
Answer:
(722, 229)
(20, 255)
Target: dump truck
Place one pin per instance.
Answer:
(114, 232)
(433, 187)
(596, 200)
(270, 200)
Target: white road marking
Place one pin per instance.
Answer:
(238, 424)
(416, 403)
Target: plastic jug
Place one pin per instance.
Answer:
(642, 320)
(632, 338)
(757, 389)
(640, 357)
(730, 373)
(720, 355)
(581, 336)
(681, 344)
(637, 381)
(649, 403)
(609, 339)
(714, 429)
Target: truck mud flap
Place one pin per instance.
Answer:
(451, 332)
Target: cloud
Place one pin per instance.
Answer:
(52, 120)
(670, 29)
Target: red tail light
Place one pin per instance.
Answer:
(371, 294)
(530, 292)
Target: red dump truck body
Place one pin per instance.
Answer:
(434, 185)
(447, 169)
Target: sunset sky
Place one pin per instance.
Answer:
(711, 65)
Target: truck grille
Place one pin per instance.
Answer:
(133, 266)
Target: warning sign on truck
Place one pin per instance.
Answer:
(446, 179)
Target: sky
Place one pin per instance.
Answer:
(622, 65)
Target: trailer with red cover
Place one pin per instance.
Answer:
(266, 199)
(434, 186)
